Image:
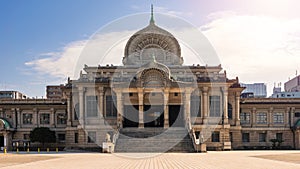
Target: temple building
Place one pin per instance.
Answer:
(153, 102)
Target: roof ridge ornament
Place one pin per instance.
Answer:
(153, 57)
(152, 17)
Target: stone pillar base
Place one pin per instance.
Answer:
(108, 147)
(203, 148)
(141, 125)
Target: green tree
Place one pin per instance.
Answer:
(42, 135)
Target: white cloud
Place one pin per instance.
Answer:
(58, 64)
(256, 48)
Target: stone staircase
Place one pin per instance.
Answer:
(154, 140)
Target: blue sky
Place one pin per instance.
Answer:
(32, 30)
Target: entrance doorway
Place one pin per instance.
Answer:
(176, 116)
(131, 116)
(1, 141)
(153, 116)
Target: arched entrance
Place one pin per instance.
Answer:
(1, 141)
(153, 109)
(176, 118)
(4, 126)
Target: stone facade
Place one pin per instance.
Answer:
(153, 89)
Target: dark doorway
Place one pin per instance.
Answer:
(176, 116)
(153, 116)
(131, 116)
(1, 141)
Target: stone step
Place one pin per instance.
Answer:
(154, 140)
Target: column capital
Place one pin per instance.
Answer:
(140, 88)
(101, 89)
(81, 89)
(205, 89)
(224, 89)
(166, 90)
(237, 94)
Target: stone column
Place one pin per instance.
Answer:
(141, 107)
(69, 110)
(52, 117)
(166, 108)
(5, 140)
(292, 116)
(100, 102)
(1, 112)
(237, 109)
(225, 104)
(187, 101)
(19, 117)
(253, 116)
(120, 109)
(36, 114)
(205, 104)
(81, 106)
(14, 120)
(270, 117)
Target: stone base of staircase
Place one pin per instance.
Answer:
(154, 140)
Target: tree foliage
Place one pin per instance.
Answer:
(42, 135)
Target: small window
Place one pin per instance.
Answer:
(45, 118)
(61, 118)
(231, 137)
(297, 114)
(262, 137)
(215, 137)
(245, 137)
(76, 138)
(130, 94)
(261, 118)
(27, 118)
(245, 118)
(279, 136)
(175, 94)
(278, 118)
(61, 137)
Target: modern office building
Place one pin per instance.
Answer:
(12, 95)
(293, 85)
(54, 92)
(258, 89)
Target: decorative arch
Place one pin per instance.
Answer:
(154, 78)
(297, 125)
(5, 123)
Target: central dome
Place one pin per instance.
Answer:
(152, 40)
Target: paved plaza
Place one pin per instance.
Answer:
(226, 159)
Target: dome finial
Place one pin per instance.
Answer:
(152, 17)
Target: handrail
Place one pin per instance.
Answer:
(116, 136)
(191, 133)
